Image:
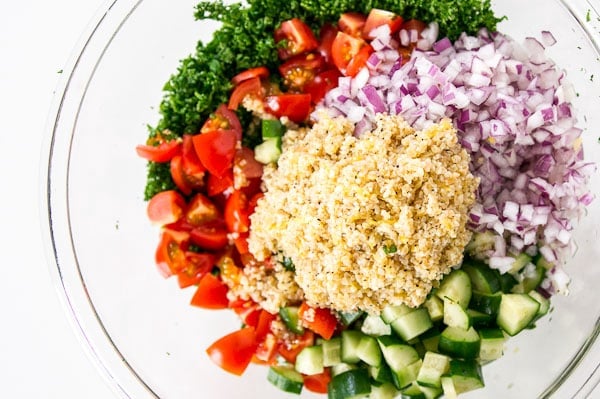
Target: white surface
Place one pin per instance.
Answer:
(40, 356)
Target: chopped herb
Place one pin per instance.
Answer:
(59, 71)
(588, 15)
(592, 78)
(288, 264)
(390, 249)
(245, 39)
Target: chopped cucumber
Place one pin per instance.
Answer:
(466, 375)
(507, 282)
(486, 303)
(348, 318)
(310, 360)
(413, 391)
(368, 351)
(434, 366)
(381, 373)
(544, 303)
(532, 278)
(412, 324)
(384, 391)
(286, 378)
(492, 344)
(483, 278)
(391, 313)
(342, 368)
(406, 375)
(516, 312)
(480, 319)
(332, 351)
(435, 307)
(398, 356)
(350, 341)
(520, 262)
(431, 393)
(271, 128)
(448, 388)
(289, 315)
(460, 343)
(455, 315)
(268, 151)
(456, 286)
(375, 326)
(350, 384)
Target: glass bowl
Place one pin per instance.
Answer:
(139, 329)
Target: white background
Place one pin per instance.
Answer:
(40, 356)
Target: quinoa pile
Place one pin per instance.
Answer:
(367, 221)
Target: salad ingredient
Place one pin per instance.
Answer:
(234, 351)
(511, 106)
(245, 40)
(165, 207)
(334, 203)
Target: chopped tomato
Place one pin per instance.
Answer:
(236, 212)
(263, 327)
(344, 48)
(318, 382)
(197, 265)
(327, 36)
(178, 175)
(164, 151)
(211, 293)
(321, 84)
(241, 244)
(170, 253)
(223, 119)
(377, 18)
(359, 61)
(210, 236)
(246, 165)
(295, 106)
(248, 311)
(234, 352)
(352, 23)
(258, 72)
(218, 184)
(290, 348)
(230, 272)
(250, 86)
(267, 350)
(294, 37)
(301, 69)
(216, 150)
(201, 210)
(165, 207)
(193, 170)
(319, 320)
(254, 201)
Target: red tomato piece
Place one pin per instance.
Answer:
(318, 382)
(223, 119)
(298, 38)
(178, 175)
(218, 184)
(246, 165)
(263, 327)
(163, 152)
(359, 61)
(211, 293)
(290, 348)
(254, 201)
(301, 69)
(234, 352)
(266, 351)
(216, 150)
(201, 210)
(170, 252)
(414, 24)
(295, 106)
(241, 244)
(248, 87)
(248, 311)
(377, 18)
(344, 48)
(319, 320)
(193, 169)
(165, 207)
(321, 84)
(210, 236)
(327, 36)
(236, 213)
(352, 23)
(197, 265)
(258, 72)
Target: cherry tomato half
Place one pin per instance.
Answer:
(165, 207)
(216, 150)
(301, 69)
(295, 106)
(163, 152)
(294, 37)
(345, 48)
(352, 23)
(234, 352)
(377, 18)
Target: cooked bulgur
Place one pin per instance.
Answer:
(367, 221)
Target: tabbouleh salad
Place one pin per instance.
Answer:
(383, 191)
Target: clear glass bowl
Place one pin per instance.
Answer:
(138, 328)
